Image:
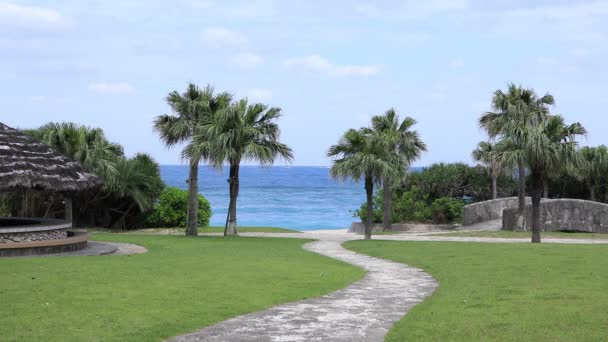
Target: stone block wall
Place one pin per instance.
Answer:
(561, 215)
(33, 236)
(359, 228)
(488, 210)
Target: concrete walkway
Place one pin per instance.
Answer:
(363, 311)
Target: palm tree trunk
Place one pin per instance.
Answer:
(521, 193)
(592, 193)
(69, 217)
(234, 193)
(537, 189)
(192, 222)
(387, 205)
(369, 192)
(494, 187)
(545, 188)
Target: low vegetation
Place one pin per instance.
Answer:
(503, 292)
(180, 285)
(515, 235)
(171, 209)
(435, 194)
(206, 230)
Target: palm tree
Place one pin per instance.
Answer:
(511, 110)
(593, 167)
(87, 145)
(192, 110)
(488, 154)
(543, 153)
(357, 155)
(130, 186)
(242, 132)
(138, 179)
(402, 146)
(558, 133)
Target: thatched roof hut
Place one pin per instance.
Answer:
(28, 164)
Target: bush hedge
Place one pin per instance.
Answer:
(171, 209)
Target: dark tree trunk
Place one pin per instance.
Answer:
(231, 227)
(537, 189)
(545, 188)
(387, 207)
(592, 193)
(494, 187)
(369, 219)
(521, 192)
(69, 217)
(192, 221)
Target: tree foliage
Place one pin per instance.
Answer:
(170, 209)
(130, 185)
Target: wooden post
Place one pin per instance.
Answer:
(68, 209)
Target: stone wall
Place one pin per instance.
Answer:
(33, 236)
(488, 210)
(359, 228)
(561, 215)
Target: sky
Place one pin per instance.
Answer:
(330, 65)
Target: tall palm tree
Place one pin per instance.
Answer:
(402, 146)
(542, 153)
(357, 155)
(512, 110)
(242, 132)
(192, 109)
(87, 145)
(556, 134)
(488, 154)
(593, 167)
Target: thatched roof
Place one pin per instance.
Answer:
(28, 164)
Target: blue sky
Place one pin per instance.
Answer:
(330, 65)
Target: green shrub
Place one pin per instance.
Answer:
(446, 210)
(415, 206)
(411, 207)
(171, 209)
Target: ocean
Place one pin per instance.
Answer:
(298, 197)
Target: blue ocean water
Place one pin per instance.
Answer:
(303, 198)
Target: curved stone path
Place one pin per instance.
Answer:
(363, 311)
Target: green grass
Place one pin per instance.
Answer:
(180, 285)
(510, 234)
(503, 292)
(202, 230)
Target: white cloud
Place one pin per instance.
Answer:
(318, 64)
(555, 65)
(242, 9)
(221, 36)
(111, 88)
(38, 98)
(457, 63)
(23, 15)
(247, 60)
(412, 9)
(259, 94)
(579, 52)
(575, 21)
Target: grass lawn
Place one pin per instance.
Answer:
(201, 230)
(510, 234)
(180, 285)
(503, 292)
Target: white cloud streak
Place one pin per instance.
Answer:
(111, 88)
(30, 16)
(247, 60)
(259, 94)
(221, 36)
(318, 64)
